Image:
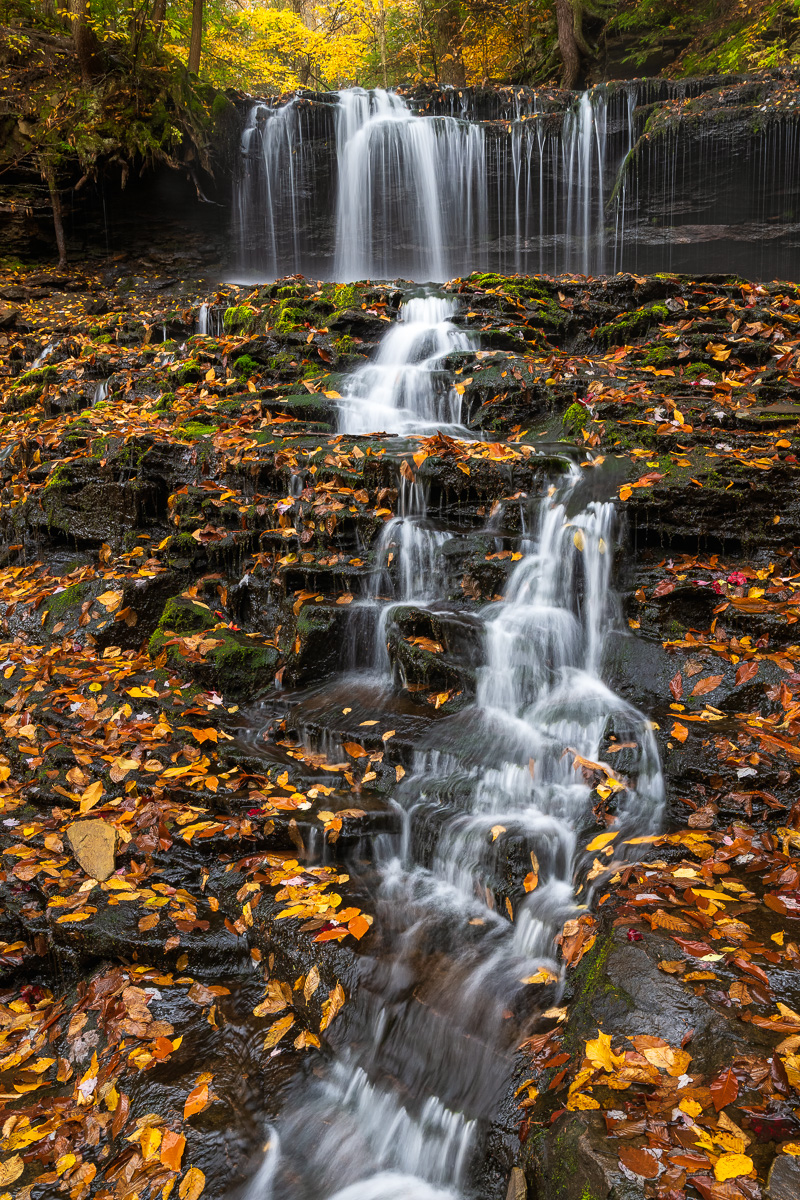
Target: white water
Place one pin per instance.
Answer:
(427, 197)
(412, 198)
(406, 390)
(402, 1111)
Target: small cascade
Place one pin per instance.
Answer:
(404, 1107)
(406, 389)
(209, 320)
(100, 393)
(407, 571)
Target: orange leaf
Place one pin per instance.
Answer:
(679, 732)
(704, 686)
(358, 926)
(172, 1146)
(196, 1101)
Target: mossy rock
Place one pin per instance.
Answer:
(575, 418)
(238, 319)
(629, 326)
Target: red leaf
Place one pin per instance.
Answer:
(724, 1089)
(664, 588)
(746, 671)
(676, 686)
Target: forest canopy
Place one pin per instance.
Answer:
(277, 45)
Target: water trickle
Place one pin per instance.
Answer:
(407, 389)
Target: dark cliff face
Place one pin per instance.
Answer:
(695, 175)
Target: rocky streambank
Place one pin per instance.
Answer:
(190, 805)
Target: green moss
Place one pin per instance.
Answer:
(346, 296)
(193, 430)
(245, 366)
(575, 418)
(165, 401)
(180, 616)
(59, 604)
(288, 317)
(628, 326)
(659, 356)
(700, 370)
(345, 344)
(238, 319)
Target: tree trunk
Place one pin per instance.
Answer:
(567, 44)
(159, 13)
(83, 38)
(448, 28)
(55, 200)
(382, 39)
(196, 43)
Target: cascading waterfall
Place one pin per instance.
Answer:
(358, 184)
(402, 1111)
(412, 197)
(406, 389)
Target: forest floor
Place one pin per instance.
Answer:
(184, 531)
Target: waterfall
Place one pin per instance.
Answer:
(406, 389)
(367, 184)
(412, 197)
(467, 961)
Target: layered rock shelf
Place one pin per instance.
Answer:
(191, 927)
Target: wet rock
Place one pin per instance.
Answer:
(783, 1181)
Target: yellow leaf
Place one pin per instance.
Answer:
(580, 1101)
(602, 840)
(311, 984)
(690, 1107)
(91, 796)
(331, 1006)
(277, 1031)
(110, 600)
(11, 1169)
(150, 1142)
(600, 1054)
(731, 1166)
(496, 831)
(578, 539)
(192, 1184)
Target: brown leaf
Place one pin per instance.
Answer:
(746, 671)
(724, 1089)
(640, 1161)
(664, 588)
(676, 686)
(706, 685)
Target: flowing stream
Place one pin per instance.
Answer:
(466, 960)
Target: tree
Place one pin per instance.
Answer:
(83, 39)
(196, 40)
